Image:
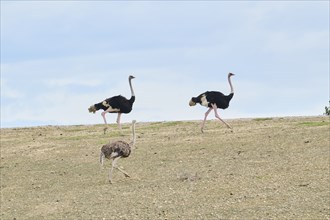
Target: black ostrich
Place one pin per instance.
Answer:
(214, 100)
(116, 104)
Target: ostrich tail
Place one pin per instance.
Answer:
(193, 101)
(92, 109)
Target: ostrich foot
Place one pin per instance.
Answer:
(105, 129)
(202, 126)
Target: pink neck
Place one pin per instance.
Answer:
(231, 86)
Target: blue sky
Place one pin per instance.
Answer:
(59, 57)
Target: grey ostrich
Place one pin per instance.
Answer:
(116, 150)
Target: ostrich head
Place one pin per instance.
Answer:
(231, 74)
(131, 77)
(193, 101)
(92, 109)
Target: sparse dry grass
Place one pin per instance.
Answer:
(274, 168)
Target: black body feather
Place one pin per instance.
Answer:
(117, 102)
(214, 97)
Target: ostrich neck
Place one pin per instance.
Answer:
(231, 86)
(131, 87)
(133, 138)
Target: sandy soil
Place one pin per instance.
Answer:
(266, 168)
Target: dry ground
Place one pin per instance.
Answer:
(268, 168)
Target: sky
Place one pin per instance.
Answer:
(60, 57)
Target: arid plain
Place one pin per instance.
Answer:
(265, 168)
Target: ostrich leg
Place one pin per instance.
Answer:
(110, 172)
(103, 115)
(118, 120)
(105, 121)
(114, 165)
(215, 108)
(121, 170)
(203, 123)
